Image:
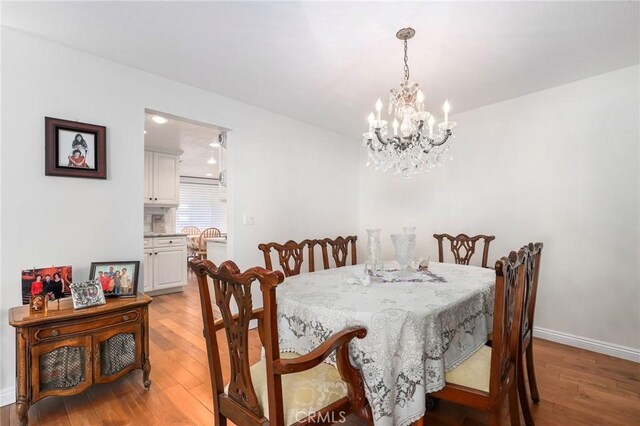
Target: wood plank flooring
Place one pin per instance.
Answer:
(577, 387)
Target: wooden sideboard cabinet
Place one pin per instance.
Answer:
(64, 351)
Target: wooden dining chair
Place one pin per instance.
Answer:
(339, 250)
(489, 376)
(190, 230)
(290, 255)
(526, 339)
(201, 253)
(282, 389)
(463, 247)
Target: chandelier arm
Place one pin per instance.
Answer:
(384, 142)
(432, 142)
(447, 134)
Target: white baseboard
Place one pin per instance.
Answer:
(593, 345)
(7, 396)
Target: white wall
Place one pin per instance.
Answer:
(558, 166)
(298, 180)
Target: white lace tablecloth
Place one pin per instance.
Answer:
(419, 326)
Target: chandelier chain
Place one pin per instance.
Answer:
(406, 62)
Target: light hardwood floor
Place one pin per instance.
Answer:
(577, 387)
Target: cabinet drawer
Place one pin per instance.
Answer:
(90, 324)
(148, 242)
(170, 241)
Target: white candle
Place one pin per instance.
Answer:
(395, 127)
(420, 100)
(446, 107)
(430, 122)
(379, 107)
(371, 119)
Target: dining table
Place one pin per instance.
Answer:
(420, 324)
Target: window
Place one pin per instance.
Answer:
(200, 205)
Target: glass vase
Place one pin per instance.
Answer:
(374, 247)
(405, 245)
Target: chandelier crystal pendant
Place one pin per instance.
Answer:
(415, 146)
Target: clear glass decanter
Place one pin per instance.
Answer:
(374, 247)
(405, 245)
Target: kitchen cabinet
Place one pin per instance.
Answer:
(165, 263)
(161, 179)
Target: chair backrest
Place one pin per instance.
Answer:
(339, 250)
(290, 255)
(507, 317)
(463, 247)
(240, 403)
(531, 288)
(190, 230)
(210, 233)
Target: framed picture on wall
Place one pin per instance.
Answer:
(75, 149)
(118, 279)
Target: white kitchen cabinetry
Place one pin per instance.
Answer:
(161, 179)
(165, 263)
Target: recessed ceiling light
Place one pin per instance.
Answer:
(209, 174)
(212, 161)
(145, 132)
(214, 145)
(158, 119)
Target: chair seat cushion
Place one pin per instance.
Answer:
(302, 393)
(474, 372)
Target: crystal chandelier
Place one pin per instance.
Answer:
(418, 147)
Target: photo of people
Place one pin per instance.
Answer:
(52, 282)
(87, 294)
(76, 150)
(116, 279)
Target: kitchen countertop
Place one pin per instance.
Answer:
(153, 235)
(216, 240)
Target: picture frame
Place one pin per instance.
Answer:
(117, 278)
(38, 304)
(50, 281)
(86, 294)
(75, 149)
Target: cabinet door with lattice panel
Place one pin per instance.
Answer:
(61, 367)
(117, 351)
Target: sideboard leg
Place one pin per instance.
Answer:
(145, 375)
(22, 409)
(22, 388)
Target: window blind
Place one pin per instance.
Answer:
(200, 205)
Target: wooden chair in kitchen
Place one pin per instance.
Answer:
(526, 345)
(488, 377)
(276, 390)
(463, 247)
(193, 244)
(290, 255)
(201, 253)
(190, 230)
(339, 250)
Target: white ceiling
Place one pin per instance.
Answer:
(327, 63)
(188, 137)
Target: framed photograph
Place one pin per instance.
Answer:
(117, 279)
(37, 304)
(75, 149)
(51, 282)
(87, 294)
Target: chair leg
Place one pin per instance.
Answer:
(533, 385)
(522, 393)
(514, 405)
